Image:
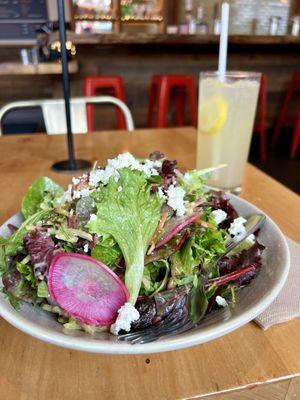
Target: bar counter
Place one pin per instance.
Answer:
(169, 39)
(177, 39)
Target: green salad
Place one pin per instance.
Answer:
(123, 243)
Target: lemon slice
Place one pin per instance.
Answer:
(212, 115)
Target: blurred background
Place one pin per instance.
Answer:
(137, 39)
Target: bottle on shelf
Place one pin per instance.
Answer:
(189, 24)
(274, 24)
(295, 25)
(192, 24)
(201, 25)
(216, 20)
(126, 8)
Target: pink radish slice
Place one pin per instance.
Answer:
(86, 289)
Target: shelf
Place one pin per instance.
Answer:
(16, 68)
(90, 18)
(152, 39)
(133, 20)
(130, 20)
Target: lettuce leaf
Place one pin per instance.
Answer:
(14, 302)
(11, 245)
(155, 277)
(192, 181)
(42, 289)
(14, 243)
(202, 248)
(3, 267)
(107, 251)
(198, 302)
(130, 215)
(17, 288)
(42, 191)
(27, 271)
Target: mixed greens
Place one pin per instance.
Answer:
(158, 230)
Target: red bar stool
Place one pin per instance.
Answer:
(283, 117)
(112, 85)
(260, 125)
(161, 86)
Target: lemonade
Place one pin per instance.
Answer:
(226, 116)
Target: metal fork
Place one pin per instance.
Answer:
(174, 323)
(170, 325)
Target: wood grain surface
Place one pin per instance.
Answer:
(33, 370)
(288, 389)
(178, 39)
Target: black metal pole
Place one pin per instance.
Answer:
(66, 81)
(71, 164)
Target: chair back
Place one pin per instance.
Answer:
(55, 117)
(54, 114)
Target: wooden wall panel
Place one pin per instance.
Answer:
(137, 63)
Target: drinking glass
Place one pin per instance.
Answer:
(226, 115)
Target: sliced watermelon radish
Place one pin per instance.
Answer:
(86, 289)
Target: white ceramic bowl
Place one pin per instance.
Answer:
(252, 301)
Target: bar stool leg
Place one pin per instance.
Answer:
(90, 113)
(163, 99)
(296, 135)
(180, 97)
(152, 98)
(283, 112)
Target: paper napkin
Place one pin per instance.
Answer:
(287, 304)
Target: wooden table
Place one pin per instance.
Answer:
(33, 370)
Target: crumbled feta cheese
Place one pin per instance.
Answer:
(86, 248)
(126, 315)
(66, 197)
(93, 217)
(120, 189)
(237, 227)
(161, 193)
(219, 216)
(75, 181)
(77, 194)
(251, 239)
(124, 160)
(176, 199)
(151, 167)
(102, 175)
(157, 164)
(221, 301)
(96, 177)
